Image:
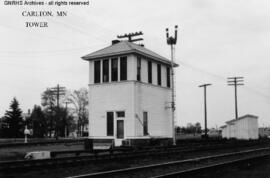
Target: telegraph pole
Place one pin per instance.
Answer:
(131, 35)
(66, 128)
(172, 42)
(205, 108)
(235, 81)
(58, 91)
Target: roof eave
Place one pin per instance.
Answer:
(89, 58)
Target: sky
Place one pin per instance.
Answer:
(216, 39)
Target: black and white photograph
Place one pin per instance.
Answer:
(134, 89)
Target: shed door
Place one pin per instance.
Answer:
(120, 129)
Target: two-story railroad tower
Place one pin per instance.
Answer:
(129, 93)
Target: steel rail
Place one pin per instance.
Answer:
(134, 170)
(19, 164)
(197, 170)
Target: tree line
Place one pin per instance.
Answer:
(189, 129)
(57, 116)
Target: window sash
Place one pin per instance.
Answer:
(97, 71)
(110, 124)
(149, 72)
(159, 74)
(105, 68)
(114, 69)
(168, 77)
(123, 68)
(139, 61)
(145, 123)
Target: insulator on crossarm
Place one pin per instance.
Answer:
(175, 34)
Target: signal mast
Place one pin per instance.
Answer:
(172, 42)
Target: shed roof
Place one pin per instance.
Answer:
(125, 47)
(242, 117)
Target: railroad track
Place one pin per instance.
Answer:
(183, 167)
(109, 154)
(199, 172)
(113, 154)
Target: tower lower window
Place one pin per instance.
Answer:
(145, 123)
(110, 124)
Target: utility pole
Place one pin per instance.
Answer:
(66, 127)
(58, 91)
(172, 42)
(205, 108)
(130, 35)
(235, 81)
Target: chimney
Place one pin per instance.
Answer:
(115, 42)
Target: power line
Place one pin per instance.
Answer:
(16, 54)
(219, 77)
(87, 22)
(49, 51)
(36, 34)
(81, 31)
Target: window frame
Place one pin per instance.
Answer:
(105, 70)
(145, 123)
(117, 114)
(97, 73)
(110, 128)
(123, 76)
(139, 66)
(168, 76)
(149, 69)
(114, 70)
(159, 80)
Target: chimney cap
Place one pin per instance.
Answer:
(115, 42)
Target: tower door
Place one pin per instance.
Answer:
(120, 129)
(119, 132)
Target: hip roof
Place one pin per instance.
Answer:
(125, 47)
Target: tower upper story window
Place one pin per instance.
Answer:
(139, 61)
(149, 72)
(168, 77)
(105, 70)
(123, 68)
(159, 74)
(114, 69)
(97, 72)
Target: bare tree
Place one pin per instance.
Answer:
(79, 99)
(48, 101)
